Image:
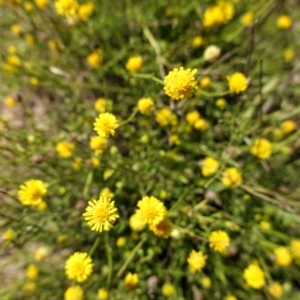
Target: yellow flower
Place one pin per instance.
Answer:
(209, 166)
(218, 14)
(192, 117)
(151, 210)
(221, 102)
(167, 289)
(145, 105)
(230, 297)
(165, 116)
(101, 214)
(237, 82)
(32, 192)
(52, 45)
(284, 22)
(66, 8)
(264, 225)
(262, 148)
(205, 82)
(231, 177)
(211, 53)
(196, 261)
(275, 290)
(295, 248)
(206, 282)
(27, 6)
(95, 161)
(283, 256)
(33, 81)
(106, 193)
(131, 281)
(79, 266)
(247, 18)
(136, 223)
(100, 105)
(180, 83)
(197, 41)
(85, 10)
(41, 253)
(41, 4)
(102, 294)
(10, 101)
(174, 139)
(8, 235)
(98, 144)
(61, 239)
(16, 29)
(65, 149)
(201, 125)
(74, 293)
(162, 229)
(12, 63)
(288, 126)
(254, 276)
(289, 55)
(121, 241)
(29, 38)
(134, 63)
(94, 59)
(105, 124)
(76, 164)
(32, 271)
(219, 241)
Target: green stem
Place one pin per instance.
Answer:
(109, 259)
(95, 245)
(87, 184)
(148, 76)
(131, 117)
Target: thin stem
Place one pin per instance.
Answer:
(95, 245)
(131, 117)
(109, 259)
(148, 76)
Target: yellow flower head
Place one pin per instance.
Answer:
(254, 276)
(66, 8)
(79, 266)
(201, 124)
(106, 124)
(196, 261)
(284, 22)
(288, 55)
(211, 53)
(247, 18)
(65, 149)
(192, 117)
(32, 271)
(162, 229)
(168, 290)
(205, 82)
(288, 126)
(295, 248)
(131, 281)
(283, 256)
(219, 241)
(16, 29)
(218, 14)
(145, 105)
(197, 41)
(106, 193)
(100, 105)
(134, 63)
(180, 83)
(76, 164)
(262, 148)
(10, 101)
(237, 82)
(136, 223)
(174, 139)
(98, 144)
(74, 293)
(27, 6)
(32, 192)
(101, 214)
(12, 63)
(151, 210)
(9, 235)
(165, 116)
(94, 59)
(230, 297)
(102, 294)
(41, 253)
(221, 102)
(209, 166)
(231, 177)
(41, 4)
(275, 290)
(85, 11)
(206, 282)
